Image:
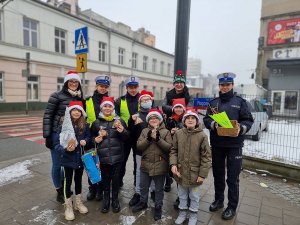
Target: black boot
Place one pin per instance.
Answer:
(99, 194)
(91, 194)
(228, 214)
(60, 195)
(115, 204)
(135, 199)
(216, 205)
(139, 207)
(106, 202)
(157, 212)
(168, 183)
(176, 203)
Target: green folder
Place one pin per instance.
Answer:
(222, 119)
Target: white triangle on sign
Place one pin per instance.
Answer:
(81, 42)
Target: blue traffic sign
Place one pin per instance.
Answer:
(81, 40)
(201, 103)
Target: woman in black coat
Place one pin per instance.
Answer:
(53, 118)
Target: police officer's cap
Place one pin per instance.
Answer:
(226, 78)
(132, 80)
(103, 79)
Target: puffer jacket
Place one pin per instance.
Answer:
(72, 159)
(55, 111)
(111, 149)
(155, 154)
(192, 155)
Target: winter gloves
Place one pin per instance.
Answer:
(49, 143)
(151, 138)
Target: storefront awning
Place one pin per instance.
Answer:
(295, 62)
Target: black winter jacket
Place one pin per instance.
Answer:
(170, 95)
(55, 111)
(111, 149)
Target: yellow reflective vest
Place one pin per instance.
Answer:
(90, 111)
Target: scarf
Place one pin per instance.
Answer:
(75, 93)
(107, 118)
(225, 97)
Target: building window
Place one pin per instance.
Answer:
(60, 83)
(162, 64)
(30, 32)
(134, 60)
(121, 56)
(154, 62)
(1, 86)
(169, 69)
(145, 62)
(1, 25)
(60, 40)
(102, 52)
(33, 88)
(154, 92)
(161, 93)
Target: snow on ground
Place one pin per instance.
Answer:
(47, 217)
(16, 172)
(280, 143)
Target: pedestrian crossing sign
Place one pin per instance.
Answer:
(81, 63)
(81, 40)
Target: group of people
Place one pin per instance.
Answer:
(164, 145)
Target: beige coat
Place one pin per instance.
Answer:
(155, 154)
(192, 155)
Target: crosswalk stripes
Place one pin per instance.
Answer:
(28, 128)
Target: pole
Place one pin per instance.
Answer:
(83, 85)
(27, 75)
(182, 35)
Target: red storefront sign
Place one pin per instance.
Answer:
(284, 31)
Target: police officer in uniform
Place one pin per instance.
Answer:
(92, 110)
(227, 150)
(125, 107)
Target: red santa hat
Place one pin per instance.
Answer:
(107, 100)
(77, 105)
(154, 112)
(72, 75)
(191, 112)
(178, 102)
(145, 93)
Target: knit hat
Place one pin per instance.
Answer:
(107, 100)
(179, 77)
(154, 112)
(145, 93)
(178, 102)
(103, 79)
(132, 80)
(77, 105)
(191, 112)
(72, 75)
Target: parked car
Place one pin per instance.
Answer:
(260, 119)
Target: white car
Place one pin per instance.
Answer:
(260, 119)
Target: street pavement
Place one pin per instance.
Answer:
(31, 200)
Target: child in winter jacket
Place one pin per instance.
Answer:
(155, 143)
(190, 161)
(109, 133)
(74, 136)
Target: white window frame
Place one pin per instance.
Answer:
(61, 40)
(30, 88)
(162, 65)
(31, 32)
(2, 86)
(134, 60)
(60, 83)
(121, 56)
(154, 65)
(102, 51)
(145, 63)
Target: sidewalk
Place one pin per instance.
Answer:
(32, 201)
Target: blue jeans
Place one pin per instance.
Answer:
(193, 193)
(57, 172)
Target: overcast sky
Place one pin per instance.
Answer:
(223, 33)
